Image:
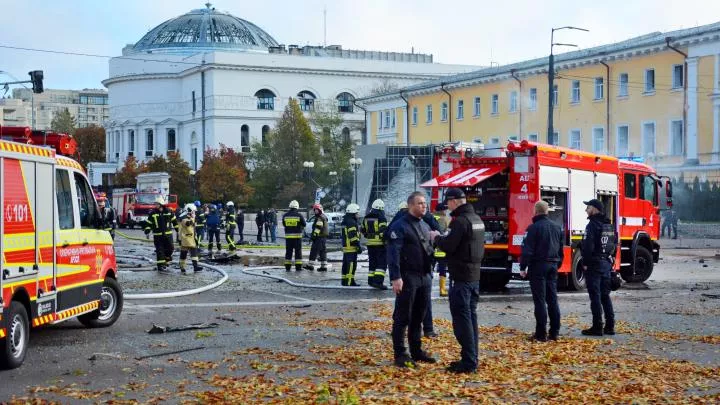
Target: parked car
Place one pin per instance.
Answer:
(334, 221)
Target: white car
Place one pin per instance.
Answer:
(334, 221)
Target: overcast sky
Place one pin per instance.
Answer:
(472, 32)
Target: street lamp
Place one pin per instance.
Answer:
(355, 163)
(192, 183)
(551, 75)
(308, 165)
(334, 176)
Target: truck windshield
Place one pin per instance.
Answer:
(145, 198)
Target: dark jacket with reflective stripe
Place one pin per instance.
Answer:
(350, 234)
(161, 222)
(464, 244)
(543, 243)
(373, 227)
(294, 224)
(408, 249)
(592, 247)
(230, 218)
(200, 220)
(320, 226)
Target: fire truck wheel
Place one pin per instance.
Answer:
(14, 347)
(111, 304)
(642, 268)
(576, 278)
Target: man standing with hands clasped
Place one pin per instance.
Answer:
(542, 253)
(464, 246)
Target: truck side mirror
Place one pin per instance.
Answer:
(668, 193)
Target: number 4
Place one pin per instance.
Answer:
(524, 188)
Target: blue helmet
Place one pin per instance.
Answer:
(212, 207)
(197, 203)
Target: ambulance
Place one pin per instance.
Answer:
(57, 263)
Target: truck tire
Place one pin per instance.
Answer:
(130, 223)
(111, 304)
(13, 347)
(576, 277)
(493, 281)
(642, 267)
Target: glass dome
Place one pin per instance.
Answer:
(205, 29)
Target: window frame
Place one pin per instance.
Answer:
(603, 150)
(495, 104)
(149, 146)
(681, 80)
(477, 106)
(533, 99)
(414, 115)
(513, 101)
(174, 139)
(671, 143)
(599, 88)
(460, 114)
(556, 95)
(642, 138)
(570, 138)
(643, 181)
(444, 111)
(533, 134)
(86, 199)
(630, 193)
(623, 84)
(65, 208)
(575, 87)
(648, 72)
(428, 114)
(627, 141)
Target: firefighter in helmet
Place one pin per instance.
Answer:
(188, 238)
(161, 221)
(294, 224)
(212, 223)
(200, 217)
(108, 215)
(373, 228)
(318, 237)
(351, 244)
(230, 225)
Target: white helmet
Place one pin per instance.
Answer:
(190, 207)
(294, 204)
(160, 200)
(230, 204)
(378, 204)
(403, 205)
(352, 209)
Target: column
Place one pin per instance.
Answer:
(692, 111)
(108, 144)
(716, 112)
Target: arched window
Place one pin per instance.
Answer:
(306, 100)
(194, 151)
(245, 138)
(265, 132)
(265, 99)
(345, 102)
(346, 135)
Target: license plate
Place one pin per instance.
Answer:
(516, 268)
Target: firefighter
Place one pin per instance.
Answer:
(318, 237)
(373, 228)
(108, 215)
(213, 229)
(440, 256)
(188, 238)
(230, 225)
(294, 224)
(161, 221)
(351, 245)
(200, 216)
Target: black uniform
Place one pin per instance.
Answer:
(260, 223)
(200, 219)
(294, 224)
(670, 222)
(109, 218)
(240, 219)
(230, 225)
(351, 248)
(161, 222)
(213, 229)
(464, 247)
(318, 237)
(542, 253)
(373, 228)
(598, 252)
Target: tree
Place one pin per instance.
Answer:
(223, 176)
(336, 148)
(383, 87)
(91, 144)
(127, 176)
(63, 122)
(179, 171)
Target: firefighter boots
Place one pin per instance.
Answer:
(443, 286)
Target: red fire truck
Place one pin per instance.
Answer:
(57, 263)
(504, 184)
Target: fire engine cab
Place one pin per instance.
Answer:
(57, 263)
(503, 185)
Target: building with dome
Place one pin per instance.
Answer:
(208, 78)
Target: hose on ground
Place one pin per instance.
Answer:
(302, 285)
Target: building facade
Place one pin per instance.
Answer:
(655, 98)
(88, 106)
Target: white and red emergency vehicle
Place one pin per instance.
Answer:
(57, 263)
(134, 205)
(504, 184)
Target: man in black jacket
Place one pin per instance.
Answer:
(464, 246)
(598, 252)
(542, 253)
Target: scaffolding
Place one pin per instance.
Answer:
(399, 173)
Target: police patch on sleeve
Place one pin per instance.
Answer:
(393, 235)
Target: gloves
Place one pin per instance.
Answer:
(360, 249)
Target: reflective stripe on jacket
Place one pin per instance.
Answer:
(294, 224)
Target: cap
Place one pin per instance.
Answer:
(453, 194)
(595, 203)
(441, 207)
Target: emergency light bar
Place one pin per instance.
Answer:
(63, 144)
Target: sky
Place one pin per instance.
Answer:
(468, 32)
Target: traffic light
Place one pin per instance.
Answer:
(36, 77)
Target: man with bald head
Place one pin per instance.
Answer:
(542, 253)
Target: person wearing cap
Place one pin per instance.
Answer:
(542, 253)
(320, 232)
(161, 221)
(260, 223)
(213, 229)
(294, 224)
(598, 249)
(373, 228)
(464, 245)
(409, 254)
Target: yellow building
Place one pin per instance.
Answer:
(655, 97)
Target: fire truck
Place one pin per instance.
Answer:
(134, 205)
(57, 263)
(503, 185)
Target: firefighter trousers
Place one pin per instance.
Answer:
(293, 245)
(230, 237)
(318, 251)
(163, 250)
(349, 265)
(193, 257)
(377, 262)
(214, 233)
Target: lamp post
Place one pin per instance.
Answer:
(334, 175)
(355, 163)
(551, 75)
(308, 167)
(192, 183)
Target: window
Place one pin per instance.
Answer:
(495, 142)
(82, 110)
(149, 142)
(678, 76)
(575, 92)
(575, 140)
(194, 158)
(513, 101)
(513, 138)
(648, 142)
(623, 88)
(86, 202)
(599, 90)
(194, 106)
(649, 189)
(533, 137)
(623, 140)
(117, 143)
(245, 138)
(428, 114)
(649, 80)
(131, 141)
(494, 106)
(265, 100)
(677, 141)
(66, 219)
(476, 107)
(460, 109)
(306, 100)
(381, 117)
(414, 115)
(171, 144)
(555, 95)
(599, 140)
(392, 123)
(265, 132)
(630, 185)
(443, 112)
(346, 135)
(387, 118)
(533, 99)
(345, 102)
(554, 138)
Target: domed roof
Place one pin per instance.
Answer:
(205, 29)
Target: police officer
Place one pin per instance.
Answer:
(373, 228)
(464, 245)
(260, 223)
(200, 216)
(318, 237)
(188, 238)
(294, 224)
(230, 225)
(213, 229)
(670, 223)
(598, 252)
(427, 324)
(410, 263)
(351, 245)
(542, 253)
(443, 223)
(161, 221)
(240, 220)
(271, 217)
(108, 215)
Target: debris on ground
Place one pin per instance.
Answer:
(156, 329)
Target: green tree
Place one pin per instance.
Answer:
(127, 175)
(179, 171)
(91, 144)
(63, 122)
(336, 147)
(223, 176)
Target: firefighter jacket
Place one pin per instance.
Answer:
(443, 221)
(200, 219)
(408, 248)
(599, 242)
(109, 218)
(187, 232)
(213, 220)
(373, 227)
(230, 219)
(350, 234)
(543, 243)
(320, 227)
(294, 224)
(464, 244)
(160, 222)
